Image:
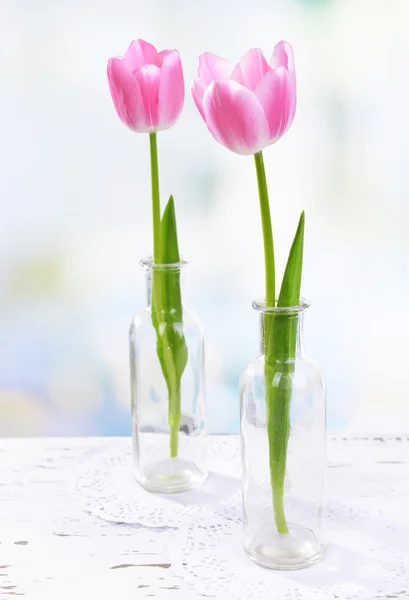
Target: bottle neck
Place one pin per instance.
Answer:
(170, 285)
(149, 282)
(294, 322)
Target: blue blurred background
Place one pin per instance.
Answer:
(76, 217)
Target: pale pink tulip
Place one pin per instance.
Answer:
(147, 87)
(251, 105)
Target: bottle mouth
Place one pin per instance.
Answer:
(260, 306)
(148, 263)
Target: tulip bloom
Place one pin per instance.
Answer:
(246, 108)
(147, 87)
(251, 105)
(148, 91)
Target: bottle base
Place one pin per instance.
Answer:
(298, 549)
(170, 476)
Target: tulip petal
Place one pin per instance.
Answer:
(269, 94)
(198, 91)
(171, 90)
(235, 117)
(212, 68)
(291, 93)
(276, 94)
(126, 95)
(140, 53)
(148, 78)
(283, 56)
(159, 58)
(251, 68)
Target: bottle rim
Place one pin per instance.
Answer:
(148, 263)
(260, 306)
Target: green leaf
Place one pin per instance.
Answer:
(291, 285)
(279, 368)
(282, 327)
(167, 318)
(171, 294)
(169, 235)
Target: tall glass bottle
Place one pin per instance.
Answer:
(283, 432)
(168, 411)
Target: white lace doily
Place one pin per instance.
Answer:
(368, 529)
(108, 489)
(368, 558)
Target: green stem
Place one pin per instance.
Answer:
(267, 229)
(160, 300)
(278, 431)
(156, 276)
(155, 197)
(277, 408)
(174, 420)
(279, 514)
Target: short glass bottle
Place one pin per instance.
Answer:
(168, 421)
(283, 438)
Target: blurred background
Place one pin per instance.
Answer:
(76, 214)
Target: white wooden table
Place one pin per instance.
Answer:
(51, 549)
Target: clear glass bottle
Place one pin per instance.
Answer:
(168, 424)
(283, 438)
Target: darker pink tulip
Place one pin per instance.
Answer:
(251, 105)
(147, 87)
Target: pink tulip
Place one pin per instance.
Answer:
(250, 106)
(147, 87)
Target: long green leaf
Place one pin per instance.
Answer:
(279, 369)
(171, 294)
(167, 317)
(169, 235)
(291, 285)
